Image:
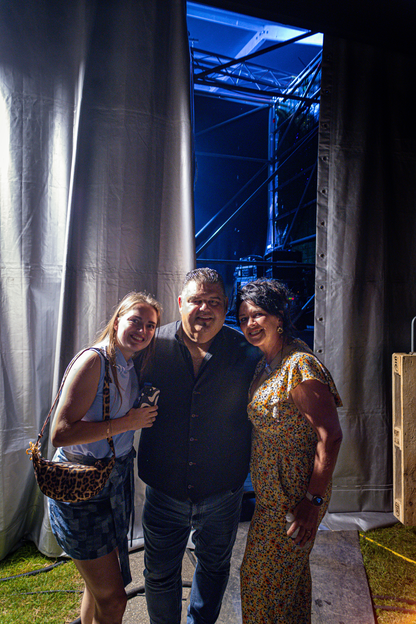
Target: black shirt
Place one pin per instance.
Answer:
(199, 444)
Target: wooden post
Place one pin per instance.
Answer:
(404, 437)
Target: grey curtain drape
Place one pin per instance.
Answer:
(95, 200)
(366, 260)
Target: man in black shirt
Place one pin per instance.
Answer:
(195, 458)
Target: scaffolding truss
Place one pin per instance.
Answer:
(216, 72)
(289, 173)
(298, 105)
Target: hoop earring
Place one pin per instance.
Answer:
(280, 330)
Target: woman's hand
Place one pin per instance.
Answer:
(142, 417)
(306, 520)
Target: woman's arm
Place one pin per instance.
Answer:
(77, 396)
(315, 401)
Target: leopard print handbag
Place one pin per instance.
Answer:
(70, 482)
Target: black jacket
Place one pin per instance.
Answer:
(200, 442)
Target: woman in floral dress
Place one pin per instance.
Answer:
(296, 439)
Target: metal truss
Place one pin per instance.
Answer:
(300, 120)
(289, 173)
(215, 72)
(298, 97)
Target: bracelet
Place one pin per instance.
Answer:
(109, 428)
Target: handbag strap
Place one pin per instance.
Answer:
(106, 402)
(106, 395)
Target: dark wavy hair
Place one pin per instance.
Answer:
(272, 296)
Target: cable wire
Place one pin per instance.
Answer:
(48, 591)
(389, 549)
(33, 572)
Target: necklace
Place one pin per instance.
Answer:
(270, 368)
(265, 373)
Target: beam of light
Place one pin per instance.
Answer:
(4, 151)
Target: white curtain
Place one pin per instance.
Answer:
(95, 201)
(366, 260)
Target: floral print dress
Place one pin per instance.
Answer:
(275, 575)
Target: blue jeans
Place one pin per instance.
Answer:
(167, 524)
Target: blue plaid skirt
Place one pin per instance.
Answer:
(94, 528)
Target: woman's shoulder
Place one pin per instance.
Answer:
(99, 348)
(302, 355)
(298, 346)
(87, 360)
(305, 365)
(298, 350)
(301, 363)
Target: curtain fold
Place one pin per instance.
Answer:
(366, 259)
(96, 200)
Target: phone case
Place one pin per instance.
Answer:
(148, 397)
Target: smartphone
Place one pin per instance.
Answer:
(149, 396)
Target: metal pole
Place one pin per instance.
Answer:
(198, 234)
(412, 335)
(219, 229)
(227, 121)
(243, 59)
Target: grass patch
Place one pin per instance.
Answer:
(47, 598)
(391, 578)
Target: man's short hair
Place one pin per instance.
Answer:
(204, 276)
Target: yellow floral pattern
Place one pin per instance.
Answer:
(275, 576)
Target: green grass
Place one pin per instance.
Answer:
(28, 599)
(45, 598)
(389, 575)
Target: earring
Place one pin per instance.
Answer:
(280, 330)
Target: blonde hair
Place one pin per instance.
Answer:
(127, 303)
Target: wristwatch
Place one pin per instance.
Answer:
(315, 499)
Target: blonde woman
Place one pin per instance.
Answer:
(94, 533)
